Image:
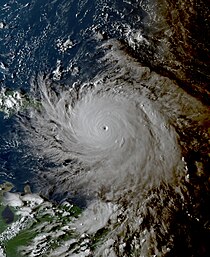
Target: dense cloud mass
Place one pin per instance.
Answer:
(114, 144)
(110, 134)
(132, 141)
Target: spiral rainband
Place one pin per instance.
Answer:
(116, 137)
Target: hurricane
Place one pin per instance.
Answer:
(112, 132)
(112, 144)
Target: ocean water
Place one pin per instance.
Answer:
(115, 118)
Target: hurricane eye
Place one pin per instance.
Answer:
(105, 128)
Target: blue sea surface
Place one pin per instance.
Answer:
(28, 43)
